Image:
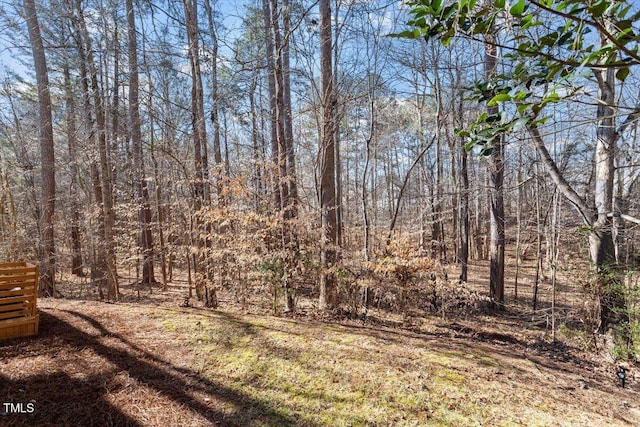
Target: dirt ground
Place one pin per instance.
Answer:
(151, 362)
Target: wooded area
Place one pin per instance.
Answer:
(359, 153)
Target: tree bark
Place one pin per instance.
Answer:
(601, 246)
(201, 179)
(518, 222)
(47, 154)
(256, 177)
(142, 192)
(72, 147)
(110, 276)
(159, 196)
(464, 178)
(220, 174)
(287, 115)
(99, 269)
(496, 222)
(328, 256)
(273, 106)
(464, 200)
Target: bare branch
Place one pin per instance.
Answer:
(557, 177)
(626, 217)
(404, 185)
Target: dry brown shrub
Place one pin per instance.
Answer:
(247, 252)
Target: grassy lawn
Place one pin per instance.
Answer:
(351, 375)
(160, 365)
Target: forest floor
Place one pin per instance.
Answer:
(148, 361)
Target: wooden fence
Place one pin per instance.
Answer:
(18, 295)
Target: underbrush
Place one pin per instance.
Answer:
(249, 254)
(610, 315)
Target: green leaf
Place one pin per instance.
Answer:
(448, 12)
(521, 95)
(517, 9)
(518, 124)
(566, 38)
(469, 145)
(447, 37)
(494, 118)
(626, 35)
(552, 97)
(487, 134)
(501, 97)
(408, 34)
(527, 22)
(482, 27)
(597, 9)
(541, 121)
(499, 4)
(549, 39)
(622, 74)
(623, 12)
(536, 108)
(486, 151)
(624, 24)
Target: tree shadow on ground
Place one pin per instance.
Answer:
(61, 400)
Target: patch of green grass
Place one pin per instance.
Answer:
(169, 326)
(322, 375)
(487, 361)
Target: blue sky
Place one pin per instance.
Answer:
(13, 58)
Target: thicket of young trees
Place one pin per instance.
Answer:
(297, 142)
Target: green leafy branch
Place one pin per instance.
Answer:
(553, 47)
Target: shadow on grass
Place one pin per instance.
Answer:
(60, 400)
(64, 401)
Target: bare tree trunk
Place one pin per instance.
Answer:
(555, 236)
(115, 116)
(201, 184)
(47, 155)
(99, 131)
(285, 186)
(99, 269)
(464, 178)
(257, 177)
(496, 232)
(464, 244)
(601, 245)
(453, 174)
(142, 192)
(328, 296)
(364, 194)
(536, 282)
(159, 207)
(220, 175)
(271, 71)
(72, 138)
(339, 114)
(280, 109)
(437, 223)
(202, 191)
(287, 116)
(518, 222)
